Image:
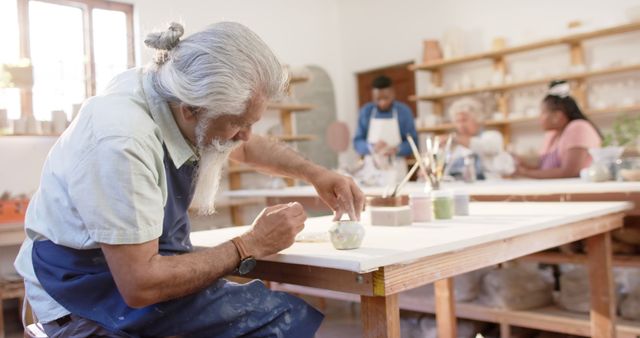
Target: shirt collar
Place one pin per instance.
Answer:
(180, 150)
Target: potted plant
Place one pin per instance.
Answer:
(625, 133)
(624, 138)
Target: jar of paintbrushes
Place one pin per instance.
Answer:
(433, 167)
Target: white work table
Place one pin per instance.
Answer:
(491, 187)
(492, 190)
(395, 259)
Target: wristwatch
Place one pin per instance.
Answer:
(247, 262)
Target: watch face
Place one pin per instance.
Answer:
(246, 265)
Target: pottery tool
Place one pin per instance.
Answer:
(417, 155)
(405, 179)
(421, 162)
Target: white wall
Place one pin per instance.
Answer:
(353, 35)
(382, 32)
(300, 32)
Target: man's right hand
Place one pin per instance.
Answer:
(275, 229)
(379, 146)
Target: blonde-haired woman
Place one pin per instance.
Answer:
(485, 146)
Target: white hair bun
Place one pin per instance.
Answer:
(560, 89)
(166, 40)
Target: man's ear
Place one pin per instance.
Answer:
(188, 113)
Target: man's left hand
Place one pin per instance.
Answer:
(391, 151)
(340, 193)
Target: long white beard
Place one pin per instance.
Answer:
(212, 159)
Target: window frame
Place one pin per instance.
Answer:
(87, 6)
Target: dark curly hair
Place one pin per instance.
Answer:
(567, 105)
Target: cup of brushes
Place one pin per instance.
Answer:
(433, 167)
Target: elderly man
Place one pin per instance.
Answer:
(486, 147)
(108, 251)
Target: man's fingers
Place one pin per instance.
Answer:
(337, 215)
(358, 198)
(275, 208)
(345, 200)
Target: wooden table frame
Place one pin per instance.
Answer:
(379, 289)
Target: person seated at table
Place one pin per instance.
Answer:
(569, 135)
(485, 147)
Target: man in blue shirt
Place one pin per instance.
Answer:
(383, 126)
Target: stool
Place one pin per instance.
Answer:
(11, 289)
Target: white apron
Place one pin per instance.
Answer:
(387, 130)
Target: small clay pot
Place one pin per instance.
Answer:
(431, 51)
(346, 235)
(396, 201)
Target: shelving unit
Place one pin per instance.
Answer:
(591, 112)
(577, 57)
(624, 261)
(528, 83)
(569, 39)
(286, 111)
(549, 318)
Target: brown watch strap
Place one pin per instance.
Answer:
(242, 250)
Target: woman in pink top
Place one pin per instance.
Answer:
(569, 135)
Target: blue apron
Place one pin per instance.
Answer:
(81, 282)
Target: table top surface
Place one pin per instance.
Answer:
(384, 246)
(480, 188)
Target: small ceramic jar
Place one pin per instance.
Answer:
(420, 204)
(346, 235)
(461, 203)
(442, 204)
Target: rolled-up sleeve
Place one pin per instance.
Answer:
(116, 190)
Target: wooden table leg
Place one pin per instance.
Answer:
(603, 312)
(380, 316)
(445, 308)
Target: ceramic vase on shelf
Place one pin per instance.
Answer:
(4, 121)
(20, 126)
(33, 126)
(431, 51)
(498, 43)
(58, 122)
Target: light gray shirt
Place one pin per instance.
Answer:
(104, 179)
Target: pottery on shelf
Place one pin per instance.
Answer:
(431, 51)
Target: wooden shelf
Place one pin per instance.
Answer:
(528, 83)
(628, 261)
(569, 39)
(548, 318)
(239, 202)
(294, 138)
(291, 107)
(620, 110)
(28, 135)
(239, 169)
(591, 112)
(11, 234)
(298, 79)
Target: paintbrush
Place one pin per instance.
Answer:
(405, 179)
(447, 152)
(417, 155)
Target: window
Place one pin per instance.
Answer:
(75, 47)
(10, 53)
